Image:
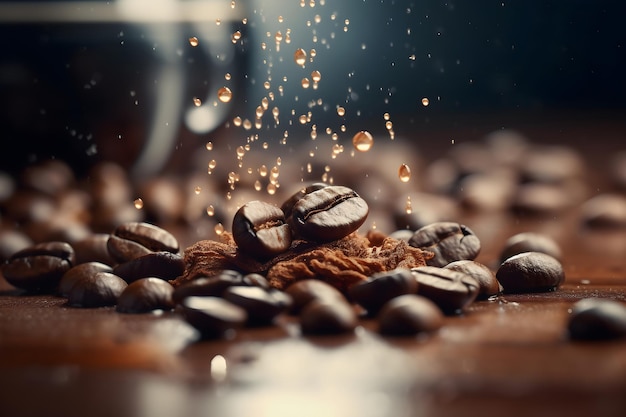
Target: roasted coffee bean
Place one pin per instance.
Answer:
(382, 287)
(604, 211)
(39, 267)
(145, 295)
(256, 280)
(208, 286)
(402, 234)
(488, 285)
(93, 248)
(78, 272)
(597, 319)
(328, 214)
(287, 206)
(530, 272)
(12, 241)
(259, 230)
(164, 265)
(134, 239)
(261, 305)
(530, 242)
(451, 290)
(328, 317)
(540, 200)
(213, 317)
(409, 315)
(448, 241)
(304, 291)
(98, 290)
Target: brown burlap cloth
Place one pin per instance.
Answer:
(341, 263)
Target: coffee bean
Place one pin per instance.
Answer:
(133, 239)
(77, 272)
(93, 248)
(597, 319)
(97, 290)
(256, 280)
(328, 214)
(12, 241)
(530, 242)
(145, 295)
(530, 272)
(261, 305)
(304, 291)
(402, 234)
(451, 290)
(208, 286)
(604, 211)
(409, 315)
(488, 285)
(213, 317)
(287, 206)
(328, 317)
(164, 265)
(39, 267)
(259, 230)
(448, 241)
(382, 287)
(537, 199)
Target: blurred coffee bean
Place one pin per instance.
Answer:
(537, 199)
(93, 248)
(507, 147)
(402, 234)
(617, 170)
(488, 285)
(409, 315)
(145, 295)
(50, 177)
(25, 206)
(260, 230)
(304, 291)
(328, 214)
(551, 164)
(604, 211)
(132, 240)
(96, 290)
(451, 290)
(487, 192)
(262, 306)
(39, 267)
(448, 241)
(208, 286)
(382, 287)
(163, 198)
(7, 186)
(77, 272)
(530, 242)
(597, 319)
(164, 265)
(417, 210)
(530, 272)
(256, 280)
(213, 317)
(12, 241)
(287, 206)
(325, 317)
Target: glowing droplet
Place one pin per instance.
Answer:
(316, 76)
(389, 125)
(386, 116)
(408, 207)
(138, 203)
(363, 141)
(219, 229)
(300, 56)
(237, 35)
(218, 22)
(224, 94)
(193, 41)
(240, 151)
(227, 76)
(341, 111)
(305, 82)
(280, 19)
(425, 101)
(209, 146)
(404, 173)
(263, 171)
(257, 185)
(210, 210)
(212, 164)
(197, 102)
(197, 190)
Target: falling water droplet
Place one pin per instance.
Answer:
(138, 203)
(197, 102)
(404, 173)
(425, 101)
(193, 41)
(224, 94)
(363, 141)
(300, 56)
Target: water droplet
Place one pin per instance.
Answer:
(197, 190)
(197, 102)
(219, 229)
(193, 41)
(209, 146)
(305, 82)
(280, 19)
(425, 101)
(404, 173)
(210, 210)
(389, 124)
(212, 164)
(300, 57)
(386, 116)
(408, 207)
(224, 94)
(218, 22)
(240, 151)
(363, 141)
(227, 76)
(257, 185)
(138, 203)
(316, 76)
(263, 171)
(341, 111)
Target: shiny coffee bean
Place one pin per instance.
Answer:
(328, 317)
(382, 287)
(530, 242)
(145, 295)
(452, 291)
(78, 272)
(259, 230)
(39, 267)
(604, 211)
(328, 214)
(93, 248)
(287, 206)
(164, 265)
(133, 239)
(409, 315)
(213, 317)
(448, 241)
(307, 290)
(98, 290)
(488, 285)
(261, 305)
(208, 286)
(530, 272)
(597, 319)
(256, 280)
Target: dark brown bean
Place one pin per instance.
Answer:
(208, 286)
(164, 265)
(213, 317)
(287, 206)
(305, 291)
(77, 272)
(597, 319)
(93, 248)
(260, 231)
(448, 241)
(604, 211)
(409, 315)
(382, 287)
(98, 290)
(145, 295)
(451, 290)
(530, 242)
(261, 305)
(488, 285)
(133, 239)
(530, 272)
(328, 317)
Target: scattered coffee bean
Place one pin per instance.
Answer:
(208, 286)
(93, 248)
(78, 272)
(402, 234)
(98, 290)
(12, 241)
(530, 242)
(213, 317)
(145, 295)
(488, 285)
(259, 229)
(133, 239)
(597, 319)
(538, 199)
(39, 267)
(328, 214)
(530, 272)
(451, 290)
(256, 280)
(604, 211)
(307, 290)
(328, 317)
(164, 265)
(448, 241)
(261, 305)
(287, 206)
(382, 287)
(409, 315)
